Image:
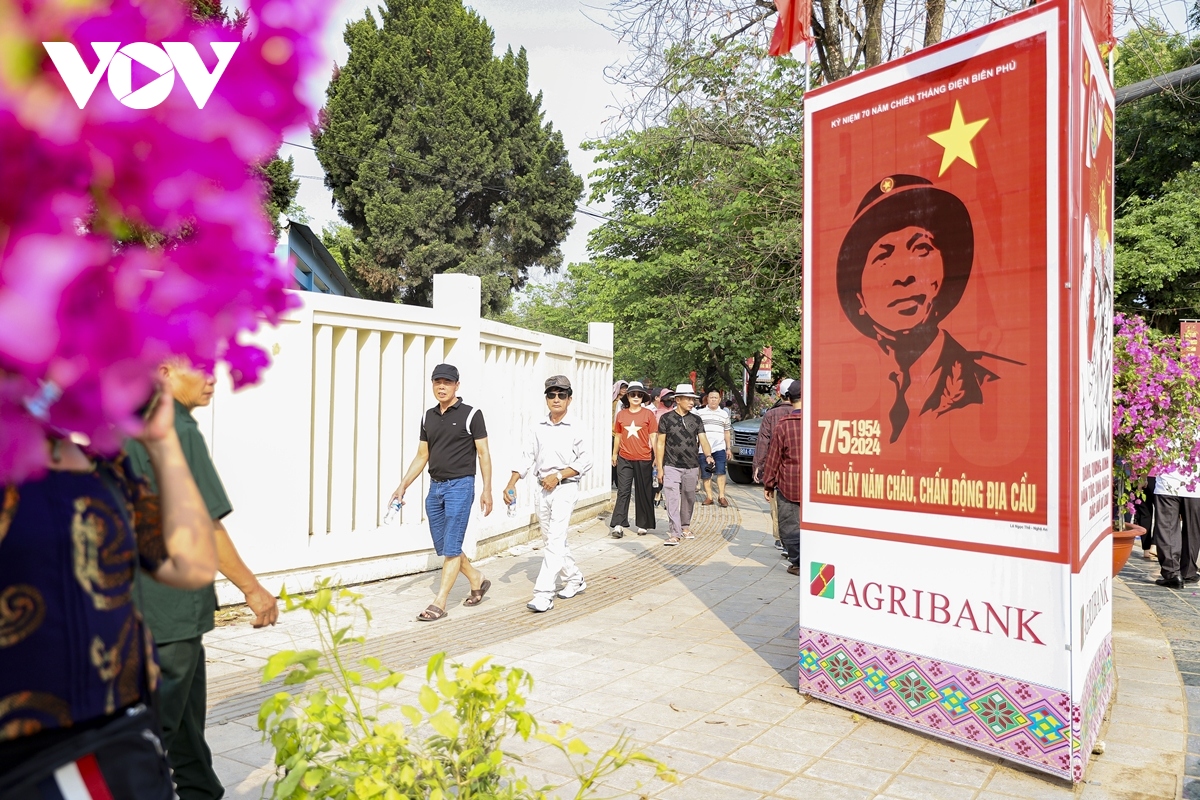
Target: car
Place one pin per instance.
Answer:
(739, 463)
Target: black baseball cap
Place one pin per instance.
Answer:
(447, 371)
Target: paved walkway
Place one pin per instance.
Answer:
(692, 650)
(1179, 613)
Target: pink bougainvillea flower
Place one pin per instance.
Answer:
(1156, 407)
(130, 234)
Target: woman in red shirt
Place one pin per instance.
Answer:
(632, 456)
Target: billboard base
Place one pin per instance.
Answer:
(1034, 725)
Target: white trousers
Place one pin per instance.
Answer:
(554, 514)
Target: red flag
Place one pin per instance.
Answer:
(792, 26)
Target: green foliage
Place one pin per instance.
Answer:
(438, 156)
(330, 740)
(1158, 136)
(281, 190)
(1157, 258)
(699, 266)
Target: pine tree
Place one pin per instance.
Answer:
(438, 156)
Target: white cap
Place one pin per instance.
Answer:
(783, 385)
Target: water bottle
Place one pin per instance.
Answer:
(510, 500)
(393, 510)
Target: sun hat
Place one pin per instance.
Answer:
(636, 386)
(685, 390)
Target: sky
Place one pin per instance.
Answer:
(568, 53)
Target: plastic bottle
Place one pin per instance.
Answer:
(393, 510)
(510, 500)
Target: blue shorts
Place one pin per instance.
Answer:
(706, 471)
(448, 508)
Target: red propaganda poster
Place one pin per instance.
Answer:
(931, 228)
(1094, 281)
(958, 391)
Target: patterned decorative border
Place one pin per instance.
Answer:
(1003, 716)
(1087, 717)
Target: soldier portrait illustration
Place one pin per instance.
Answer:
(902, 269)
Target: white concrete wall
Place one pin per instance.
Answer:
(310, 455)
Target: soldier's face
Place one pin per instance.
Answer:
(903, 274)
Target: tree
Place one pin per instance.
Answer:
(438, 156)
(276, 174)
(699, 264)
(281, 188)
(1157, 261)
(1158, 136)
(849, 35)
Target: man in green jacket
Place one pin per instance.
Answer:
(179, 619)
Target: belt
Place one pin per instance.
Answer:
(560, 483)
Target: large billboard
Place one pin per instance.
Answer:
(958, 299)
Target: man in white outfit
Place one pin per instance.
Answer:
(556, 449)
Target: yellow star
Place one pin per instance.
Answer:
(956, 140)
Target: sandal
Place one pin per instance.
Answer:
(722, 502)
(688, 535)
(476, 595)
(671, 542)
(707, 501)
(431, 614)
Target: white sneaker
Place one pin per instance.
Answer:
(571, 589)
(617, 532)
(642, 531)
(540, 603)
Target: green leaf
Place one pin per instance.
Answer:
(428, 699)
(282, 660)
(291, 780)
(444, 723)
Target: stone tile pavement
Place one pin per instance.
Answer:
(695, 656)
(1179, 612)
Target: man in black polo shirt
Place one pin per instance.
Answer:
(453, 435)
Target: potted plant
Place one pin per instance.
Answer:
(1156, 418)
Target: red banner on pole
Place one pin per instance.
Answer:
(793, 25)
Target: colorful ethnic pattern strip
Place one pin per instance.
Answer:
(1006, 717)
(1086, 719)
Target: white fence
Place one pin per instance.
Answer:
(310, 456)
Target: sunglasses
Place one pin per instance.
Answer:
(557, 395)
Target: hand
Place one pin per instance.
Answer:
(510, 496)
(264, 605)
(614, 461)
(710, 459)
(397, 495)
(160, 420)
(485, 502)
(769, 494)
(550, 482)
(758, 476)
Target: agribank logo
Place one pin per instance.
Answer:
(163, 61)
(967, 614)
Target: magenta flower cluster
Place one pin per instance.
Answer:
(129, 235)
(1156, 405)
